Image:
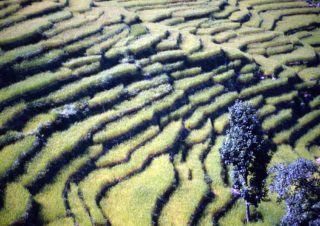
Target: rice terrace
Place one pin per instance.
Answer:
(119, 112)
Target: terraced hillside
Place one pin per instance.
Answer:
(113, 112)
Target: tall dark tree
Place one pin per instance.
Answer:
(246, 150)
(298, 184)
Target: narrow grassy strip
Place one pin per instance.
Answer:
(22, 52)
(303, 143)
(304, 54)
(184, 201)
(95, 181)
(315, 102)
(13, 152)
(50, 198)
(33, 84)
(208, 109)
(128, 123)
(188, 83)
(190, 43)
(220, 78)
(142, 190)
(9, 113)
(276, 120)
(81, 61)
(200, 135)
(84, 84)
(222, 193)
(16, 203)
(56, 147)
(38, 8)
(83, 6)
(102, 47)
(122, 151)
(266, 110)
(285, 135)
(65, 221)
(77, 208)
(168, 55)
(287, 97)
(186, 73)
(136, 87)
(17, 33)
(106, 96)
(263, 86)
(205, 95)
(42, 61)
(221, 122)
(9, 136)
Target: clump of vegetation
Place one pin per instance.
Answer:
(298, 184)
(245, 149)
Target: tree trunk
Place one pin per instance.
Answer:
(247, 212)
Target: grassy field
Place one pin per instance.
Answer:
(113, 112)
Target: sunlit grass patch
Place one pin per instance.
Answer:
(96, 180)
(203, 111)
(121, 151)
(142, 191)
(16, 203)
(201, 134)
(13, 152)
(17, 33)
(50, 199)
(9, 113)
(77, 207)
(183, 202)
(277, 119)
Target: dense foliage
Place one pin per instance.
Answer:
(298, 184)
(245, 149)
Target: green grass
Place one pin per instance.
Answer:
(277, 119)
(15, 34)
(189, 83)
(77, 207)
(287, 97)
(9, 113)
(285, 135)
(50, 198)
(186, 73)
(16, 203)
(205, 95)
(200, 135)
(303, 143)
(142, 190)
(68, 91)
(56, 147)
(82, 6)
(263, 86)
(39, 61)
(168, 55)
(185, 199)
(203, 111)
(315, 102)
(220, 78)
(95, 181)
(32, 84)
(136, 87)
(106, 96)
(121, 151)
(13, 152)
(222, 193)
(221, 122)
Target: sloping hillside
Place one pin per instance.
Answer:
(113, 112)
